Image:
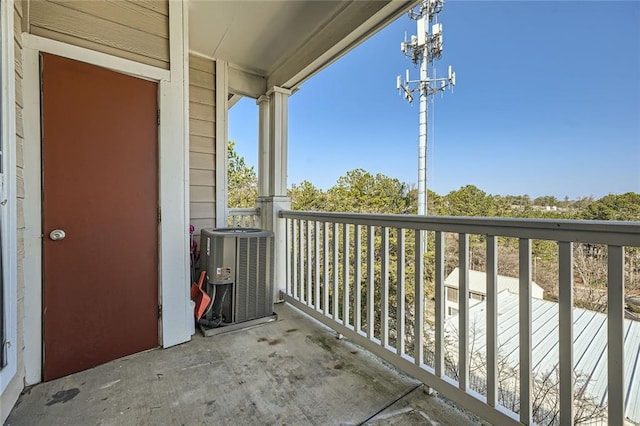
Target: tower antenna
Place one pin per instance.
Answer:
(423, 50)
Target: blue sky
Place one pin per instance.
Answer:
(547, 102)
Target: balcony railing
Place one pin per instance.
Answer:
(244, 218)
(375, 293)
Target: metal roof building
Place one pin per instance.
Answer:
(590, 345)
(478, 283)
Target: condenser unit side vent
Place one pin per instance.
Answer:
(254, 284)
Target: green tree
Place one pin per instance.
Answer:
(305, 196)
(360, 191)
(242, 180)
(614, 207)
(546, 200)
(581, 203)
(469, 201)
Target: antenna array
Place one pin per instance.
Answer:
(423, 49)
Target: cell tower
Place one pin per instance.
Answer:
(423, 49)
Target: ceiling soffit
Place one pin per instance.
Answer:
(285, 42)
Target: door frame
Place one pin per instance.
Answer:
(8, 210)
(173, 180)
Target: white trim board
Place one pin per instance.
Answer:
(8, 209)
(121, 65)
(173, 182)
(174, 185)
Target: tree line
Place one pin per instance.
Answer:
(363, 192)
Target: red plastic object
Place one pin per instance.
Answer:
(201, 298)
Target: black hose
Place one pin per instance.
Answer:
(209, 324)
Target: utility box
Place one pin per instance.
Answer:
(239, 265)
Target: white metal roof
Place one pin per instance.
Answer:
(478, 283)
(590, 344)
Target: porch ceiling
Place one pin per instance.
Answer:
(285, 41)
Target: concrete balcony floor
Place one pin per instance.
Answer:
(292, 371)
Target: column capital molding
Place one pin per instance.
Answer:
(262, 100)
(276, 89)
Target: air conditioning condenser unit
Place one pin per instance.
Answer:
(239, 266)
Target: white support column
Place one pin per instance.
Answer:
(278, 136)
(222, 141)
(272, 179)
(263, 145)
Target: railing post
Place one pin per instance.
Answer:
(418, 331)
(345, 274)
(615, 332)
(310, 299)
(288, 251)
(526, 375)
(371, 326)
(463, 313)
(385, 286)
(294, 258)
(440, 314)
(301, 252)
(565, 334)
(492, 320)
(325, 268)
(316, 252)
(400, 308)
(357, 279)
(336, 266)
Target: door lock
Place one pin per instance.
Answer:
(57, 235)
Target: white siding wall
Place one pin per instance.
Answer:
(137, 30)
(202, 157)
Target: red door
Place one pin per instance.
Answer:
(100, 187)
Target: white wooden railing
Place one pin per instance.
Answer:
(244, 218)
(333, 277)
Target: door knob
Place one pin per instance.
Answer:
(57, 235)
